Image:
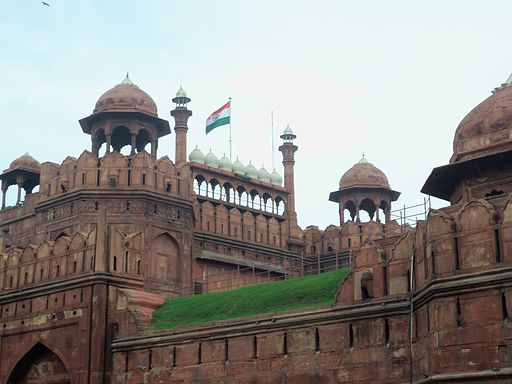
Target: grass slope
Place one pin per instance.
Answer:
(254, 300)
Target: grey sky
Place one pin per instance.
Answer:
(391, 79)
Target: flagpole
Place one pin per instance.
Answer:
(273, 149)
(230, 149)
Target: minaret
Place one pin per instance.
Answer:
(181, 115)
(288, 150)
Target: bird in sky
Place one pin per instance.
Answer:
(45, 3)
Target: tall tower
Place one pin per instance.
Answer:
(288, 150)
(181, 115)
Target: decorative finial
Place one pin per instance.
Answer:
(127, 80)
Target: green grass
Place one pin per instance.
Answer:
(284, 295)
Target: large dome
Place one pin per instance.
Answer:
(487, 129)
(364, 174)
(25, 162)
(126, 97)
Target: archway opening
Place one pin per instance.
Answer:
(367, 206)
(121, 138)
(142, 139)
(349, 211)
(40, 365)
(383, 209)
(165, 262)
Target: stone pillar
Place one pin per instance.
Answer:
(357, 213)
(4, 192)
(19, 183)
(95, 147)
(377, 219)
(181, 115)
(153, 148)
(387, 212)
(133, 143)
(342, 213)
(109, 142)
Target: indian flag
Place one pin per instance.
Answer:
(220, 117)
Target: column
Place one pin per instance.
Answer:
(133, 143)
(4, 192)
(153, 147)
(95, 147)
(357, 213)
(109, 142)
(19, 182)
(387, 212)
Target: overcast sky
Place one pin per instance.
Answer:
(392, 79)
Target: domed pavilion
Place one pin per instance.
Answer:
(481, 164)
(125, 115)
(364, 187)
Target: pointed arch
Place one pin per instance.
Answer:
(40, 364)
(165, 260)
(235, 220)
(77, 247)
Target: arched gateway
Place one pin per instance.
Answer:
(40, 365)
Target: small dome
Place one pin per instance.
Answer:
(126, 97)
(263, 175)
(276, 179)
(487, 129)
(181, 92)
(26, 162)
(225, 164)
(211, 160)
(196, 156)
(288, 130)
(238, 167)
(364, 174)
(251, 171)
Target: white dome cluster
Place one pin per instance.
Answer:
(237, 167)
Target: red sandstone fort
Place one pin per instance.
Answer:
(92, 246)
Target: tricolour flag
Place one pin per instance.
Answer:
(220, 117)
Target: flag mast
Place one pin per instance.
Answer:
(230, 152)
(273, 147)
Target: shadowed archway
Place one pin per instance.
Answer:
(40, 365)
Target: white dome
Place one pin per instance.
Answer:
(263, 175)
(211, 160)
(363, 160)
(276, 179)
(196, 156)
(225, 164)
(238, 167)
(251, 171)
(288, 130)
(181, 92)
